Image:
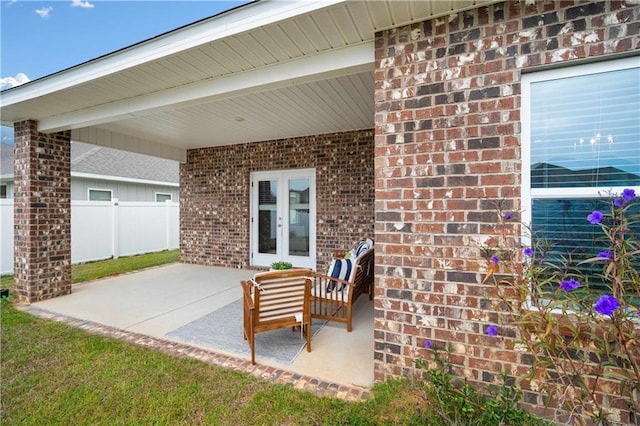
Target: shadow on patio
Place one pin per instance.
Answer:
(194, 305)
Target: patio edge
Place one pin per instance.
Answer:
(263, 372)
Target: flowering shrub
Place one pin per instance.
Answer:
(451, 401)
(580, 325)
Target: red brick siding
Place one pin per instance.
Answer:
(42, 213)
(214, 194)
(446, 145)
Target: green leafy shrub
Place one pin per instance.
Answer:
(279, 265)
(578, 319)
(453, 401)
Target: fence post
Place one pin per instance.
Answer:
(167, 212)
(115, 234)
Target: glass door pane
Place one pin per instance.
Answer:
(283, 217)
(268, 216)
(299, 217)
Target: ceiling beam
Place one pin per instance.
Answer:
(109, 139)
(321, 66)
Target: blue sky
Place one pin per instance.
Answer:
(38, 38)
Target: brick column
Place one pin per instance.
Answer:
(42, 213)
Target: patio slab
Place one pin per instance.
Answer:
(158, 300)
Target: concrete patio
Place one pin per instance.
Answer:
(156, 301)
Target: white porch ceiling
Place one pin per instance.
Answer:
(266, 70)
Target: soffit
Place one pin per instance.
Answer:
(283, 68)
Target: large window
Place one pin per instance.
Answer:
(581, 142)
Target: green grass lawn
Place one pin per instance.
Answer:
(93, 270)
(104, 268)
(53, 373)
(72, 377)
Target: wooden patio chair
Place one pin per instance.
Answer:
(333, 295)
(274, 300)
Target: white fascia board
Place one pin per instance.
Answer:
(236, 21)
(351, 59)
(123, 179)
(10, 178)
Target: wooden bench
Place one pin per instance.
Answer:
(333, 298)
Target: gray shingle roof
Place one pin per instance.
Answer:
(86, 158)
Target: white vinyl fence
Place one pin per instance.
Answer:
(105, 229)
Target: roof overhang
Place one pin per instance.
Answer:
(265, 70)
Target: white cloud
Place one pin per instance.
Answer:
(82, 4)
(7, 135)
(9, 82)
(44, 12)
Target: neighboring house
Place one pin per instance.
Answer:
(103, 174)
(140, 183)
(405, 120)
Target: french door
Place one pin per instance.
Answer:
(283, 217)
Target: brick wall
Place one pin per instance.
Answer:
(215, 197)
(447, 146)
(42, 213)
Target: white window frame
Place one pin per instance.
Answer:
(528, 193)
(6, 191)
(110, 191)
(163, 193)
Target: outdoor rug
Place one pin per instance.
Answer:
(222, 330)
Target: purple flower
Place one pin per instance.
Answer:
(427, 344)
(492, 330)
(628, 194)
(568, 285)
(595, 217)
(508, 215)
(606, 304)
(528, 252)
(606, 254)
(495, 259)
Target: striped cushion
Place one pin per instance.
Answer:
(340, 268)
(362, 247)
(340, 296)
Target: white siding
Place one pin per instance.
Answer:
(123, 191)
(9, 188)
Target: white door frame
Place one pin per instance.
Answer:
(282, 212)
